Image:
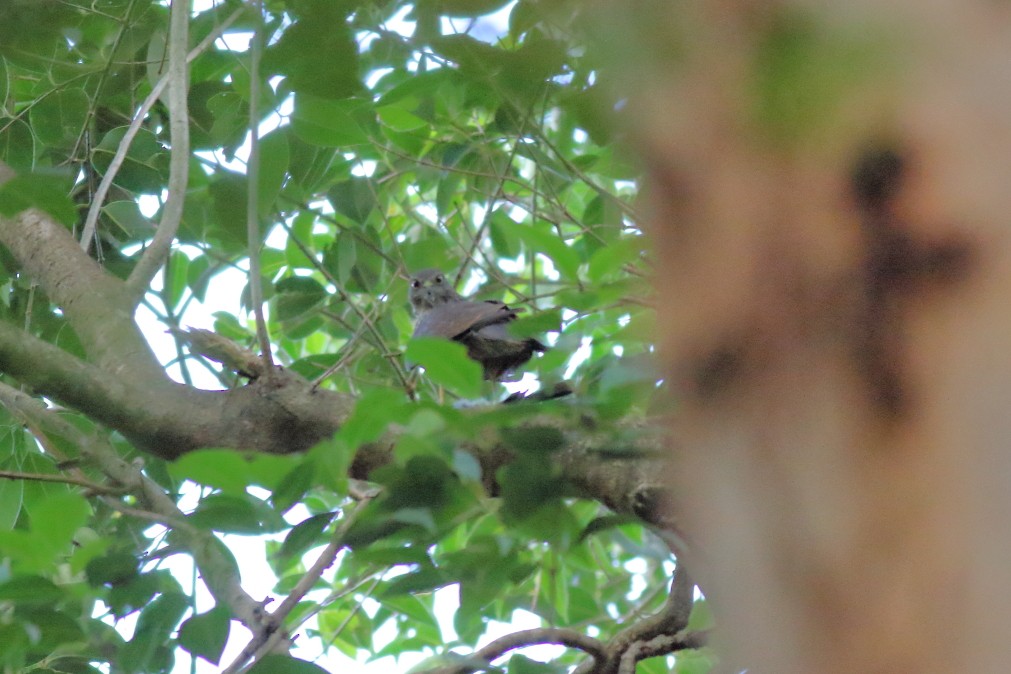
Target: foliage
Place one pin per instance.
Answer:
(394, 138)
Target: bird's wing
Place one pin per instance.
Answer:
(455, 319)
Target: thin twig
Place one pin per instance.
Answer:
(171, 522)
(91, 222)
(64, 479)
(488, 212)
(362, 315)
(257, 648)
(125, 26)
(355, 609)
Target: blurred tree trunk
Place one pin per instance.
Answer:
(830, 201)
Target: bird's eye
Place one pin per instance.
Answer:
(415, 283)
(438, 279)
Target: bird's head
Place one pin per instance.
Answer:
(429, 289)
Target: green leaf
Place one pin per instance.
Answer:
(198, 276)
(206, 634)
(526, 486)
(331, 459)
(17, 145)
(305, 535)
(236, 514)
(700, 661)
(701, 617)
(422, 484)
(174, 279)
(47, 192)
(127, 217)
(56, 519)
(521, 664)
(609, 260)
(295, 483)
(340, 257)
(545, 241)
(148, 650)
(144, 168)
(447, 364)
(400, 119)
(329, 123)
(537, 324)
(369, 263)
(372, 414)
(605, 523)
(163, 614)
(355, 198)
(504, 237)
(51, 630)
(30, 590)
(274, 160)
(592, 109)
(296, 296)
(465, 8)
(418, 582)
(112, 569)
(11, 500)
(300, 237)
(59, 119)
(431, 250)
(327, 68)
(283, 664)
(224, 469)
(533, 439)
(218, 115)
(228, 193)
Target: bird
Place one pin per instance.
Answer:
(481, 326)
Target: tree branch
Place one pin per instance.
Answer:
(168, 419)
(62, 479)
(179, 128)
(94, 303)
(656, 635)
(257, 648)
(283, 414)
(253, 237)
(217, 571)
(91, 221)
(541, 635)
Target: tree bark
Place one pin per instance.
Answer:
(837, 320)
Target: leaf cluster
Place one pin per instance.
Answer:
(474, 137)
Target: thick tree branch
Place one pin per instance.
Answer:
(281, 416)
(94, 303)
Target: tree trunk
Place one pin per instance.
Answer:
(830, 200)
